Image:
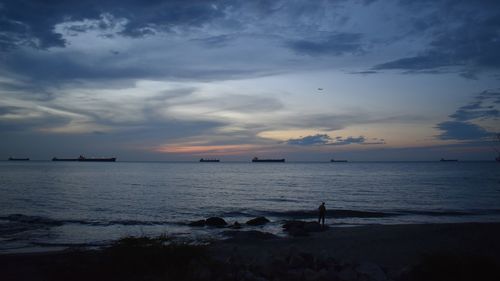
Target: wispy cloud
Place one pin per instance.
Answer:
(465, 124)
(324, 139)
(463, 39)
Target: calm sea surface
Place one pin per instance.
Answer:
(58, 204)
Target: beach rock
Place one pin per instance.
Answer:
(278, 266)
(332, 274)
(323, 260)
(293, 224)
(302, 228)
(297, 232)
(258, 221)
(312, 226)
(203, 274)
(297, 261)
(311, 275)
(309, 260)
(371, 270)
(294, 275)
(215, 221)
(197, 223)
(250, 234)
(248, 276)
(347, 274)
(236, 225)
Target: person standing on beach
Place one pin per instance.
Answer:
(322, 213)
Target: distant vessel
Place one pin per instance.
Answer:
(18, 159)
(64, 159)
(209, 160)
(255, 159)
(448, 160)
(85, 159)
(333, 160)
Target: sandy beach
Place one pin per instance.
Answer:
(376, 252)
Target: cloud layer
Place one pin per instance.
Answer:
(324, 139)
(468, 121)
(170, 76)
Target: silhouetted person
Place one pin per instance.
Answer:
(322, 213)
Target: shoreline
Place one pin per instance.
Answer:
(393, 248)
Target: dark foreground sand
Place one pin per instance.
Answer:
(469, 251)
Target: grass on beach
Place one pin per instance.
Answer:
(130, 258)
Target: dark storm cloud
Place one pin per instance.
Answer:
(335, 44)
(483, 108)
(456, 130)
(324, 139)
(32, 23)
(45, 69)
(463, 34)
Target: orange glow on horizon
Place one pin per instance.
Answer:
(233, 149)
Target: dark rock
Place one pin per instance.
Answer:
(258, 221)
(295, 274)
(297, 261)
(236, 225)
(347, 274)
(309, 260)
(250, 234)
(302, 228)
(215, 221)
(293, 224)
(278, 266)
(297, 232)
(197, 223)
(332, 274)
(371, 270)
(311, 275)
(203, 274)
(295, 228)
(312, 226)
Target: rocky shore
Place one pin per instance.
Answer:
(468, 251)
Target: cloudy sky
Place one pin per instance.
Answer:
(304, 80)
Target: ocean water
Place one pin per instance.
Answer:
(52, 205)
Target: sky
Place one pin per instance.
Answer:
(161, 80)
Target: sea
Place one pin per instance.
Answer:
(56, 205)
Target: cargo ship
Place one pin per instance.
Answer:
(342, 161)
(448, 160)
(255, 159)
(64, 159)
(18, 159)
(85, 159)
(209, 160)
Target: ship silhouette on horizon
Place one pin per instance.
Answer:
(256, 159)
(209, 160)
(18, 159)
(81, 158)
